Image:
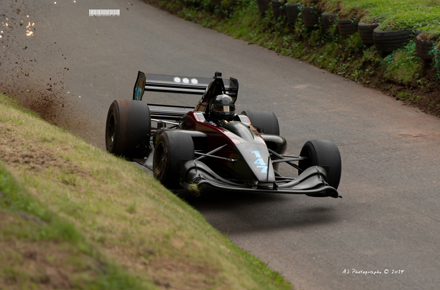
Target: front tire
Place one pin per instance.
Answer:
(171, 148)
(127, 130)
(326, 154)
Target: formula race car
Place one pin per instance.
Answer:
(209, 145)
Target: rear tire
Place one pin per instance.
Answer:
(265, 121)
(171, 148)
(326, 154)
(127, 130)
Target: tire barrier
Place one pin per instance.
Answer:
(366, 32)
(310, 17)
(424, 48)
(327, 20)
(346, 27)
(292, 11)
(387, 41)
(277, 10)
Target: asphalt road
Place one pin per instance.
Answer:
(384, 232)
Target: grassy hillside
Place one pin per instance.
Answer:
(390, 14)
(73, 216)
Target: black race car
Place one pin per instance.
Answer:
(184, 148)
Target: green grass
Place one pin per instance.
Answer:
(391, 14)
(41, 249)
(104, 223)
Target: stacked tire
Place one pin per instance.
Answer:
(310, 17)
(263, 5)
(424, 48)
(366, 32)
(346, 27)
(327, 21)
(388, 41)
(276, 7)
(292, 11)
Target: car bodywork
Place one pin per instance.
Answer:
(235, 157)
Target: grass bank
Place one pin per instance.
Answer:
(400, 74)
(389, 14)
(73, 216)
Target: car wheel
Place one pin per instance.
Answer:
(171, 148)
(127, 130)
(326, 154)
(265, 122)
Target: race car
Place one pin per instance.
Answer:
(184, 148)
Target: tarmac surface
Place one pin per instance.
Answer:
(384, 232)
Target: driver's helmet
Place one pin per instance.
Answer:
(222, 107)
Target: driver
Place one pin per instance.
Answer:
(221, 110)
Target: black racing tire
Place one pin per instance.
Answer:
(265, 122)
(326, 154)
(128, 128)
(171, 148)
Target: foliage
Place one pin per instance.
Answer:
(394, 14)
(403, 65)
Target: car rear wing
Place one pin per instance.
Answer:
(179, 84)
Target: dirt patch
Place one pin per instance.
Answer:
(425, 99)
(43, 263)
(46, 98)
(172, 274)
(16, 154)
(167, 273)
(19, 152)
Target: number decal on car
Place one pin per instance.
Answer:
(260, 162)
(138, 93)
